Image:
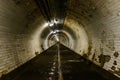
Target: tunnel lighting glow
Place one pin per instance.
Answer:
(51, 24)
(80, 34)
(56, 31)
(45, 24)
(53, 32)
(56, 21)
(35, 43)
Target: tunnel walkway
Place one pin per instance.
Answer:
(59, 63)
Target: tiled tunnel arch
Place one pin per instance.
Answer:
(22, 27)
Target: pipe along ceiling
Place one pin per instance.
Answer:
(89, 27)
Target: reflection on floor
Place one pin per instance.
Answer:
(59, 63)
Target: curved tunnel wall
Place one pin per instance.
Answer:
(15, 35)
(91, 29)
(101, 23)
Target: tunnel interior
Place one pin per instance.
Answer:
(59, 63)
(88, 27)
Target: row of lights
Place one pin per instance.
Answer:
(53, 22)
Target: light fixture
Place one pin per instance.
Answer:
(51, 24)
(56, 21)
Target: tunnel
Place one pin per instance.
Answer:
(88, 28)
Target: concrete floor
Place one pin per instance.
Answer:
(59, 63)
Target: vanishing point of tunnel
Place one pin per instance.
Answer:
(59, 39)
